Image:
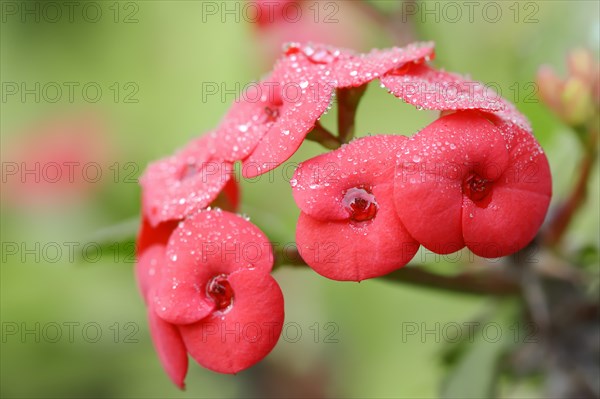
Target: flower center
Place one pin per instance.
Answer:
(273, 104)
(360, 204)
(189, 170)
(476, 187)
(220, 291)
(272, 113)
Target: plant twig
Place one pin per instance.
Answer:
(496, 282)
(348, 100)
(324, 137)
(561, 221)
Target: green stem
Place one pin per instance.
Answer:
(324, 137)
(348, 100)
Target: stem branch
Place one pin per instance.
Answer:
(324, 137)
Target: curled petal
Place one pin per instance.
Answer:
(355, 251)
(519, 202)
(433, 169)
(506, 225)
(150, 235)
(205, 245)
(170, 348)
(148, 268)
(233, 340)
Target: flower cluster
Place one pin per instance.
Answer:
(475, 177)
(204, 273)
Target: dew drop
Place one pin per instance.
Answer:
(219, 290)
(360, 204)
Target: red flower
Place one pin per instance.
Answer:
(477, 178)
(348, 228)
(183, 183)
(209, 293)
(267, 124)
(473, 179)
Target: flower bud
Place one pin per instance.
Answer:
(581, 63)
(550, 86)
(576, 101)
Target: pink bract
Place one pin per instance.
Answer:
(205, 245)
(464, 180)
(203, 278)
(188, 181)
(271, 119)
(217, 274)
(348, 228)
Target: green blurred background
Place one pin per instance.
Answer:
(162, 53)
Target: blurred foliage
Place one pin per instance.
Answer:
(168, 54)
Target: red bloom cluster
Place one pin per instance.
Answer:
(475, 177)
(204, 274)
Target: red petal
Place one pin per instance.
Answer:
(425, 87)
(170, 348)
(431, 169)
(244, 125)
(205, 245)
(507, 224)
(430, 208)
(181, 184)
(354, 251)
(319, 183)
(148, 267)
(306, 93)
(364, 68)
(231, 341)
(154, 235)
(288, 132)
(519, 200)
